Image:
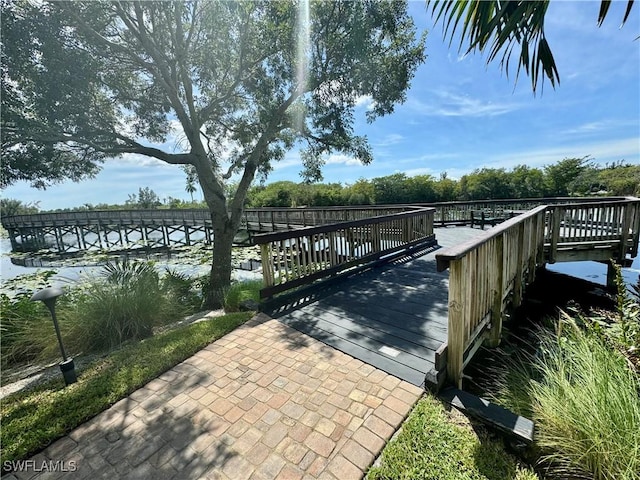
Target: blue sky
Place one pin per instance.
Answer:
(460, 114)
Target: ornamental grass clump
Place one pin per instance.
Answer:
(124, 303)
(583, 397)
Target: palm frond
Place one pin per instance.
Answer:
(497, 26)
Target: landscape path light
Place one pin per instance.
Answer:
(48, 296)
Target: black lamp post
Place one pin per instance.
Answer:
(48, 296)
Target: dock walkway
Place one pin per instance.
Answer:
(393, 317)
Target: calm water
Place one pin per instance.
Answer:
(66, 274)
(591, 271)
(596, 272)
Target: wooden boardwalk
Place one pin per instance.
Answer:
(393, 317)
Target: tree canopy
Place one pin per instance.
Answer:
(239, 82)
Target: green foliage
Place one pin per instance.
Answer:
(125, 301)
(10, 206)
(560, 177)
(626, 331)
(146, 199)
(124, 305)
(583, 397)
(240, 84)
(241, 291)
(182, 289)
(620, 179)
(486, 183)
(33, 419)
(568, 177)
(431, 446)
(20, 315)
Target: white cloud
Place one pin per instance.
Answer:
(449, 104)
(338, 159)
(137, 160)
(365, 100)
(600, 126)
(388, 140)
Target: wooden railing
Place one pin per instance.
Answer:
(275, 219)
(489, 272)
(196, 216)
(462, 213)
(298, 257)
(593, 232)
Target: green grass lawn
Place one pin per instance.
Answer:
(438, 445)
(33, 419)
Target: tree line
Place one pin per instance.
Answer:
(568, 177)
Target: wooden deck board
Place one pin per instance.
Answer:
(400, 308)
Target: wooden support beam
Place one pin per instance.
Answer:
(456, 325)
(497, 310)
(494, 415)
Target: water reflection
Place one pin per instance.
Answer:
(596, 272)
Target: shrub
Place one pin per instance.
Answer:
(241, 291)
(124, 303)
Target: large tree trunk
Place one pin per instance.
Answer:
(220, 278)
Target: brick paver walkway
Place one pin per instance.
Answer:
(263, 402)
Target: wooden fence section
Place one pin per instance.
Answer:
(593, 232)
(294, 258)
(495, 211)
(484, 275)
(490, 272)
(275, 219)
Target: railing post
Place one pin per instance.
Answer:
(497, 310)
(555, 234)
(624, 237)
(635, 228)
(518, 280)
(333, 257)
(375, 237)
(267, 264)
(456, 326)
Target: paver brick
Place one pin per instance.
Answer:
(369, 440)
(344, 469)
(357, 454)
(397, 405)
(275, 434)
(320, 444)
(391, 417)
(271, 466)
(292, 409)
(379, 427)
(238, 468)
(299, 432)
(325, 427)
(263, 402)
(290, 472)
(221, 406)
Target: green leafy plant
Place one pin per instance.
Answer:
(182, 289)
(241, 291)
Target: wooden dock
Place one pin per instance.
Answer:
(393, 317)
(392, 308)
